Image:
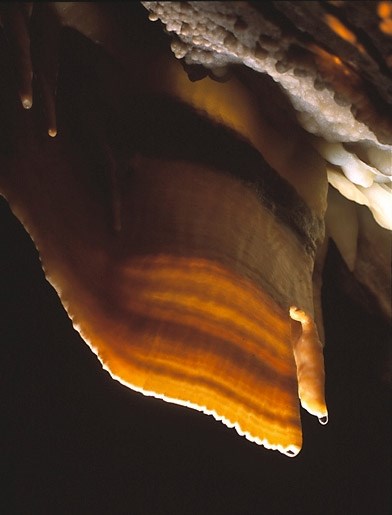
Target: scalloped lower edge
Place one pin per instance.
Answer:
(291, 450)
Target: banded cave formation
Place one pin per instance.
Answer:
(208, 188)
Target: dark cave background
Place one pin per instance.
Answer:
(74, 441)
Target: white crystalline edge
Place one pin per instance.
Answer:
(290, 451)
